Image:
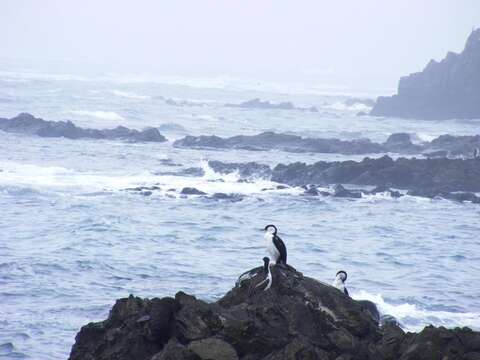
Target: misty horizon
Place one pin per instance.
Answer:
(344, 46)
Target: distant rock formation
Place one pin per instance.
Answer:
(396, 143)
(26, 123)
(297, 318)
(449, 89)
(259, 104)
(284, 142)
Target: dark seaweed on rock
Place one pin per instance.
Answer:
(298, 318)
(25, 123)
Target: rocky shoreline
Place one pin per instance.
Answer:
(443, 146)
(452, 179)
(297, 318)
(26, 123)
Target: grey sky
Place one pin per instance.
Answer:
(362, 43)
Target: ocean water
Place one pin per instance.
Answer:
(74, 239)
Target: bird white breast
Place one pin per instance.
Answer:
(338, 283)
(271, 248)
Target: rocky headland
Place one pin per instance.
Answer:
(26, 123)
(449, 89)
(297, 318)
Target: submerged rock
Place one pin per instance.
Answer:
(191, 191)
(267, 105)
(297, 318)
(448, 89)
(340, 191)
(26, 123)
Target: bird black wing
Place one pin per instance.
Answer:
(346, 291)
(279, 244)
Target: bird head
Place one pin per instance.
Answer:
(266, 263)
(272, 229)
(342, 275)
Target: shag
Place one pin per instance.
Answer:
(275, 246)
(339, 281)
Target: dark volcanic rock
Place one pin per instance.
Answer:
(25, 123)
(397, 143)
(449, 89)
(272, 141)
(401, 143)
(297, 318)
(445, 175)
(455, 145)
(340, 191)
(250, 169)
(191, 191)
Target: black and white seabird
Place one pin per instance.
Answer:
(275, 246)
(339, 281)
(268, 275)
(367, 305)
(476, 153)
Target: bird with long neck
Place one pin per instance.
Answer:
(268, 275)
(275, 246)
(339, 281)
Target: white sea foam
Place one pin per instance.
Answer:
(104, 115)
(406, 312)
(340, 106)
(62, 179)
(425, 137)
(129, 95)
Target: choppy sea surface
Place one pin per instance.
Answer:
(74, 240)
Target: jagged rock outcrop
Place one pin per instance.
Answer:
(449, 89)
(297, 318)
(453, 146)
(283, 142)
(26, 123)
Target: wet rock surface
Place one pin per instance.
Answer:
(297, 318)
(422, 175)
(26, 123)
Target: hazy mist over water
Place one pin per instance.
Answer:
(349, 44)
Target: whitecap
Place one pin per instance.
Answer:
(340, 106)
(104, 115)
(415, 318)
(129, 95)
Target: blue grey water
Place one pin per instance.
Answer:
(73, 240)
